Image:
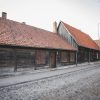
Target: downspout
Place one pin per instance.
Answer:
(89, 56)
(76, 57)
(15, 61)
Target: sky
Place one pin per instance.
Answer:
(82, 14)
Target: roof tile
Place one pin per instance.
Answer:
(19, 34)
(81, 38)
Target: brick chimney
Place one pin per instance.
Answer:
(55, 27)
(4, 15)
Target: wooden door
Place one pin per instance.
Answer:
(52, 60)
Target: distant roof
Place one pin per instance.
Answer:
(19, 34)
(81, 38)
(97, 42)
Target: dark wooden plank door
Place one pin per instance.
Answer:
(52, 60)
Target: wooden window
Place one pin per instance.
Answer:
(72, 56)
(40, 57)
(5, 58)
(64, 56)
(86, 55)
(24, 58)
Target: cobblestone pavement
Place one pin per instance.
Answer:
(80, 84)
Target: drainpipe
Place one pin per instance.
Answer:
(15, 60)
(89, 56)
(76, 57)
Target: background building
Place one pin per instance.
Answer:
(88, 50)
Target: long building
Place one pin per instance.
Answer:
(23, 46)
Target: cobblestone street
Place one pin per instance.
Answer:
(73, 83)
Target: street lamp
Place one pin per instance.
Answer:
(98, 41)
(98, 33)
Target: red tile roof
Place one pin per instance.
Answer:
(19, 34)
(81, 38)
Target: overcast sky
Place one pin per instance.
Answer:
(82, 14)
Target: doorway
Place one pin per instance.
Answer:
(52, 60)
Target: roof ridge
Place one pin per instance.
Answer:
(21, 23)
(75, 28)
(89, 43)
(34, 37)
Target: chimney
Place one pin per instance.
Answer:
(4, 15)
(23, 23)
(55, 27)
